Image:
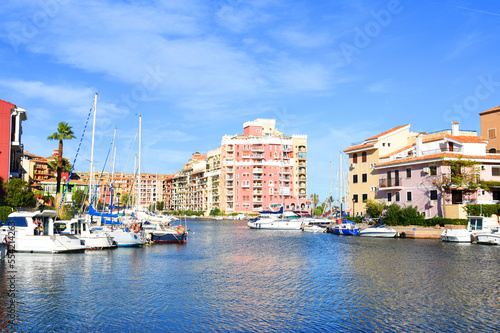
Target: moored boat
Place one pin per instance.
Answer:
(379, 230)
(169, 234)
(34, 232)
(314, 228)
(475, 226)
(345, 228)
(79, 226)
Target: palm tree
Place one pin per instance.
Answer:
(64, 132)
(315, 200)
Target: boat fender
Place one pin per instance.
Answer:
(180, 229)
(135, 227)
(402, 235)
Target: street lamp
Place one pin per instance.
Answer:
(353, 210)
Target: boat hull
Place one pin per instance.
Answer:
(99, 243)
(126, 239)
(275, 225)
(169, 238)
(378, 234)
(456, 236)
(488, 238)
(49, 244)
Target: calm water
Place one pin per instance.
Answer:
(230, 278)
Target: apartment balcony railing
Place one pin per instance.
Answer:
(257, 170)
(257, 192)
(258, 199)
(257, 184)
(442, 150)
(257, 177)
(257, 148)
(257, 156)
(388, 183)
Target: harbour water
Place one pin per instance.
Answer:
(228, 278)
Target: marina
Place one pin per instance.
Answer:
(230, 278)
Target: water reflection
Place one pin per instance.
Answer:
(230, 278)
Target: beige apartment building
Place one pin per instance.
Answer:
(490, 125)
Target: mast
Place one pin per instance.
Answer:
(139, 165)
(92, 151)
(341, 197)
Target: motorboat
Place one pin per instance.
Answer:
(475, 226)
(80, 226)
(34, 232)
(345, 228)
(491, 237)
(379, 230)
(276, 221)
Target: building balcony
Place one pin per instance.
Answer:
(257, 199)
(257, 156)
(302, 185)
(257, 170)
(257, 184)
(258, 148)
(245, 184)
(257, 177)
(390, 183)
(257, 192)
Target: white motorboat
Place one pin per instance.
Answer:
(475, 225)
(4, 244)
(123, 237)
(276, 221)
(80, 226)
(34, 232)
(379, 230)
(491, 237)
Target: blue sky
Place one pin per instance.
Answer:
(338, 71)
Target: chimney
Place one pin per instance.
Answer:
(454, 128)
(418, 145)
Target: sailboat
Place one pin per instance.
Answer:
(123, 237)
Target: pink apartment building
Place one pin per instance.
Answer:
(260, 169)
(11, 148)
(406, 176)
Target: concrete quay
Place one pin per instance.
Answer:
(419, 232)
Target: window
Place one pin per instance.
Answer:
(355, 158)
(433, 194)
(363, 156)
(364, 178)
(396, 196)
(354, 179)
(408, 172)
(389, 197)
(355, 198)
(433, 169)
(492, 133)
(365, 197)
(495, 171)
(408, 196)
(492, 151)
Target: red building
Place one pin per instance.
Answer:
(11, 149)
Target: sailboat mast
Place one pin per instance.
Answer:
(341, 197)
(92, 150)
(139, 165)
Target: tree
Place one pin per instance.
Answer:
(78, 197)
(124, 199)
(464, 174)
(315, 200)
(64, 132)
(19, 194)
(375, 209)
